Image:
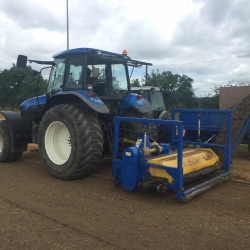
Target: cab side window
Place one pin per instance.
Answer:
(74, 74)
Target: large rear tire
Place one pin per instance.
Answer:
(5, 145)
(132, 129)
(70, 141)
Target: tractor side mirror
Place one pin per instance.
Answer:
(21, 61)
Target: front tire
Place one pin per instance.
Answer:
(5, 145)
(70, 141)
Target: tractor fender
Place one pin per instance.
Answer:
(94, 102)
(141, 105)
(17, 130)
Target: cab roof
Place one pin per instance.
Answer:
(89, 51)
(103, 54)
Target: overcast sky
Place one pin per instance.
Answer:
(173, 34)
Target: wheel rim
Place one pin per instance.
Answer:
(1, 143)
(57, 143)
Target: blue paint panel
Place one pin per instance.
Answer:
(130, 174)
(42, 99)
(132, 100)
(208, 121)
(33, 102)
(94, 100)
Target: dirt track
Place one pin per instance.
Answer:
(40, 212)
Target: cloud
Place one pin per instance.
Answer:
(215, 12)
(32, 15)
(164, 33)
(212, 30)
(218, 26)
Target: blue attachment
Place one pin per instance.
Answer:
(135, 169)
(211, 120)
(141, 164)
(33, 102)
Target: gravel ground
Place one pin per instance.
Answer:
(40, 212)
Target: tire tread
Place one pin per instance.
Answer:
(89, 139)
(6, 155)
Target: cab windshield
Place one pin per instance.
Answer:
(157, 101)
(114, 76)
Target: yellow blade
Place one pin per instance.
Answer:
(193, 160)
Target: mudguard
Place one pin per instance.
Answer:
(18, 131)
(141, 105)
(92, 101)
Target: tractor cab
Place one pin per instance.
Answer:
(104, 73)
(93, 80)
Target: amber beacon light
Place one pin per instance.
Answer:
(124, 52)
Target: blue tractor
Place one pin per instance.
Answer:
(73, 122)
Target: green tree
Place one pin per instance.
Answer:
(216, 89)
(135, 83)
(17, 85)
(211, 100)
(178, 90)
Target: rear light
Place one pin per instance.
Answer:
(139, 96)
(91, 94)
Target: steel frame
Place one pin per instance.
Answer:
(182, 195)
